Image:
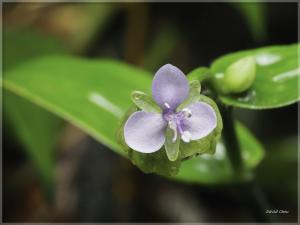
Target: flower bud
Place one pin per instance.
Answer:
(239, 76)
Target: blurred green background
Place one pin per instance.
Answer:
(54, 172)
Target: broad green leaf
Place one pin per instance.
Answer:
(276, 80)
(199, 74)
(92, 94)
(207, 169)
(216, 169)
(33, 127)
(25, 44)
(252, 150)
(37, 130)
(145, 102)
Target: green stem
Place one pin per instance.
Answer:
(231, 142)
(252, 193)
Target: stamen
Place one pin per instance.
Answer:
(167, 105)
(173, 127)
(186, 136)
(187, 112)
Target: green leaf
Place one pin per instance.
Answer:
(145, 102)
(25, 44)
(171, 146)
(276, 80)
(216, 168)
(92, 94)
(95, 94)
(199, 74)
(66, 86)
(38, 130)
(252, 150)
(33, 127)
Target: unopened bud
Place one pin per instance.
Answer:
(239, 76)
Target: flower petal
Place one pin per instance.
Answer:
(169, 86)
(202, 122)
(145, 132)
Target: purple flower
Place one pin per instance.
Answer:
(146, 131)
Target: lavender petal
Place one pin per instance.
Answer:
(145, 132)
(169, 86)
(202, 122)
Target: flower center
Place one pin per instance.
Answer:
(175, 121)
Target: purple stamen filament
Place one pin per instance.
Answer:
(175, 122)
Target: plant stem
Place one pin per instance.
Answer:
(255, 198)
(231, 142)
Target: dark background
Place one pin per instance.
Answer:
(93, 184)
